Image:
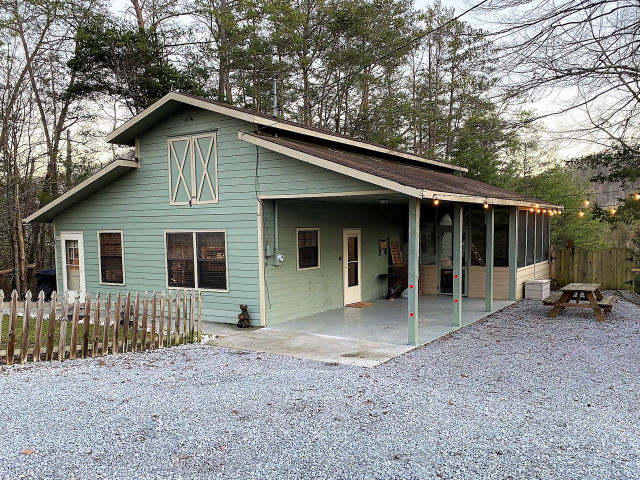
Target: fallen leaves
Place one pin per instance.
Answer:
(27, 451)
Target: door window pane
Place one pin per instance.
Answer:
(72, 264)
(352, 261)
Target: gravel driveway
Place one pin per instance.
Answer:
(517, 395)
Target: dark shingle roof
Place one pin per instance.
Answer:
(418, 177)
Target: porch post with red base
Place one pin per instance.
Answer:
(414, 266)
(457, 264)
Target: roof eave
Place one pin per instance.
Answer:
(91, 185)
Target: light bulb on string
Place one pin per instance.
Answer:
(586, 202)
(613, 210)
(581, 214)
(637, 196)
(486, 204)
(436, 202)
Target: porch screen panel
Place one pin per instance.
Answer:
(522, 238)
(308, 256)
(539, 235)
(111, 261)
(180, 265)
(478, 237)
(212, 260)
(545, 238)
(531, 238)
(501, 238)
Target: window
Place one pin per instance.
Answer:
(193, 169)
(501, 238)
(308, 248)
(111, 258)
(197, 260)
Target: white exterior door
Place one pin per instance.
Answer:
(73, 281)
(351, 267)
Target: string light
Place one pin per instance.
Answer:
(581, 214)
(586, 202)
(436, 202)
(538, 207)
(613, 210)
(531, 209)
(637, 196)
(486, 204)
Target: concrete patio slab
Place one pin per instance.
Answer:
(311, 346)
(386, 321)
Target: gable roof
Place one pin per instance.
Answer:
(127, 133)
(412, 180)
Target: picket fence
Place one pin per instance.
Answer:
(104, 327)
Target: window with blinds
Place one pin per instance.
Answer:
(197, 260)
(308, 248)
(111, 258)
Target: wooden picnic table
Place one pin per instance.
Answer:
(570, 296)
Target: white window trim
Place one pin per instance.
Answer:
(304, 269)
(124, 278)
(195, 259)
(195, 187)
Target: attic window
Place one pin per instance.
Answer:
(193, 169)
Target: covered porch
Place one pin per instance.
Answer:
(386, 320)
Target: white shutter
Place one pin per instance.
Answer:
(206, 168)
(180, 170)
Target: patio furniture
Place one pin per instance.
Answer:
(581, 291)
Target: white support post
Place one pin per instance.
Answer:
(457, 264)
(513, 252)
(490, 240)
(413, 261)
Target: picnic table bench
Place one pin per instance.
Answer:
(570, 296)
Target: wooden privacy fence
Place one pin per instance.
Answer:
(610, 268)
(34, 331)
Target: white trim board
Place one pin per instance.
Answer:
(326, 195)
(251, 117)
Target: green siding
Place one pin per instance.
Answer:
(291, 293)
(138, 204)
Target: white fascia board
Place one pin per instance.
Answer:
(335, 167)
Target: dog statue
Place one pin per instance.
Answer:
(243, 317)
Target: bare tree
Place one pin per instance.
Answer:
(583, 55)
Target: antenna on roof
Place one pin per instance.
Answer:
(275, 95)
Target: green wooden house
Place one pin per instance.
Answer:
(287, 219)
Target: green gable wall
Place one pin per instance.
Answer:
(138, 204)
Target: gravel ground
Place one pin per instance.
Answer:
(517, 395)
